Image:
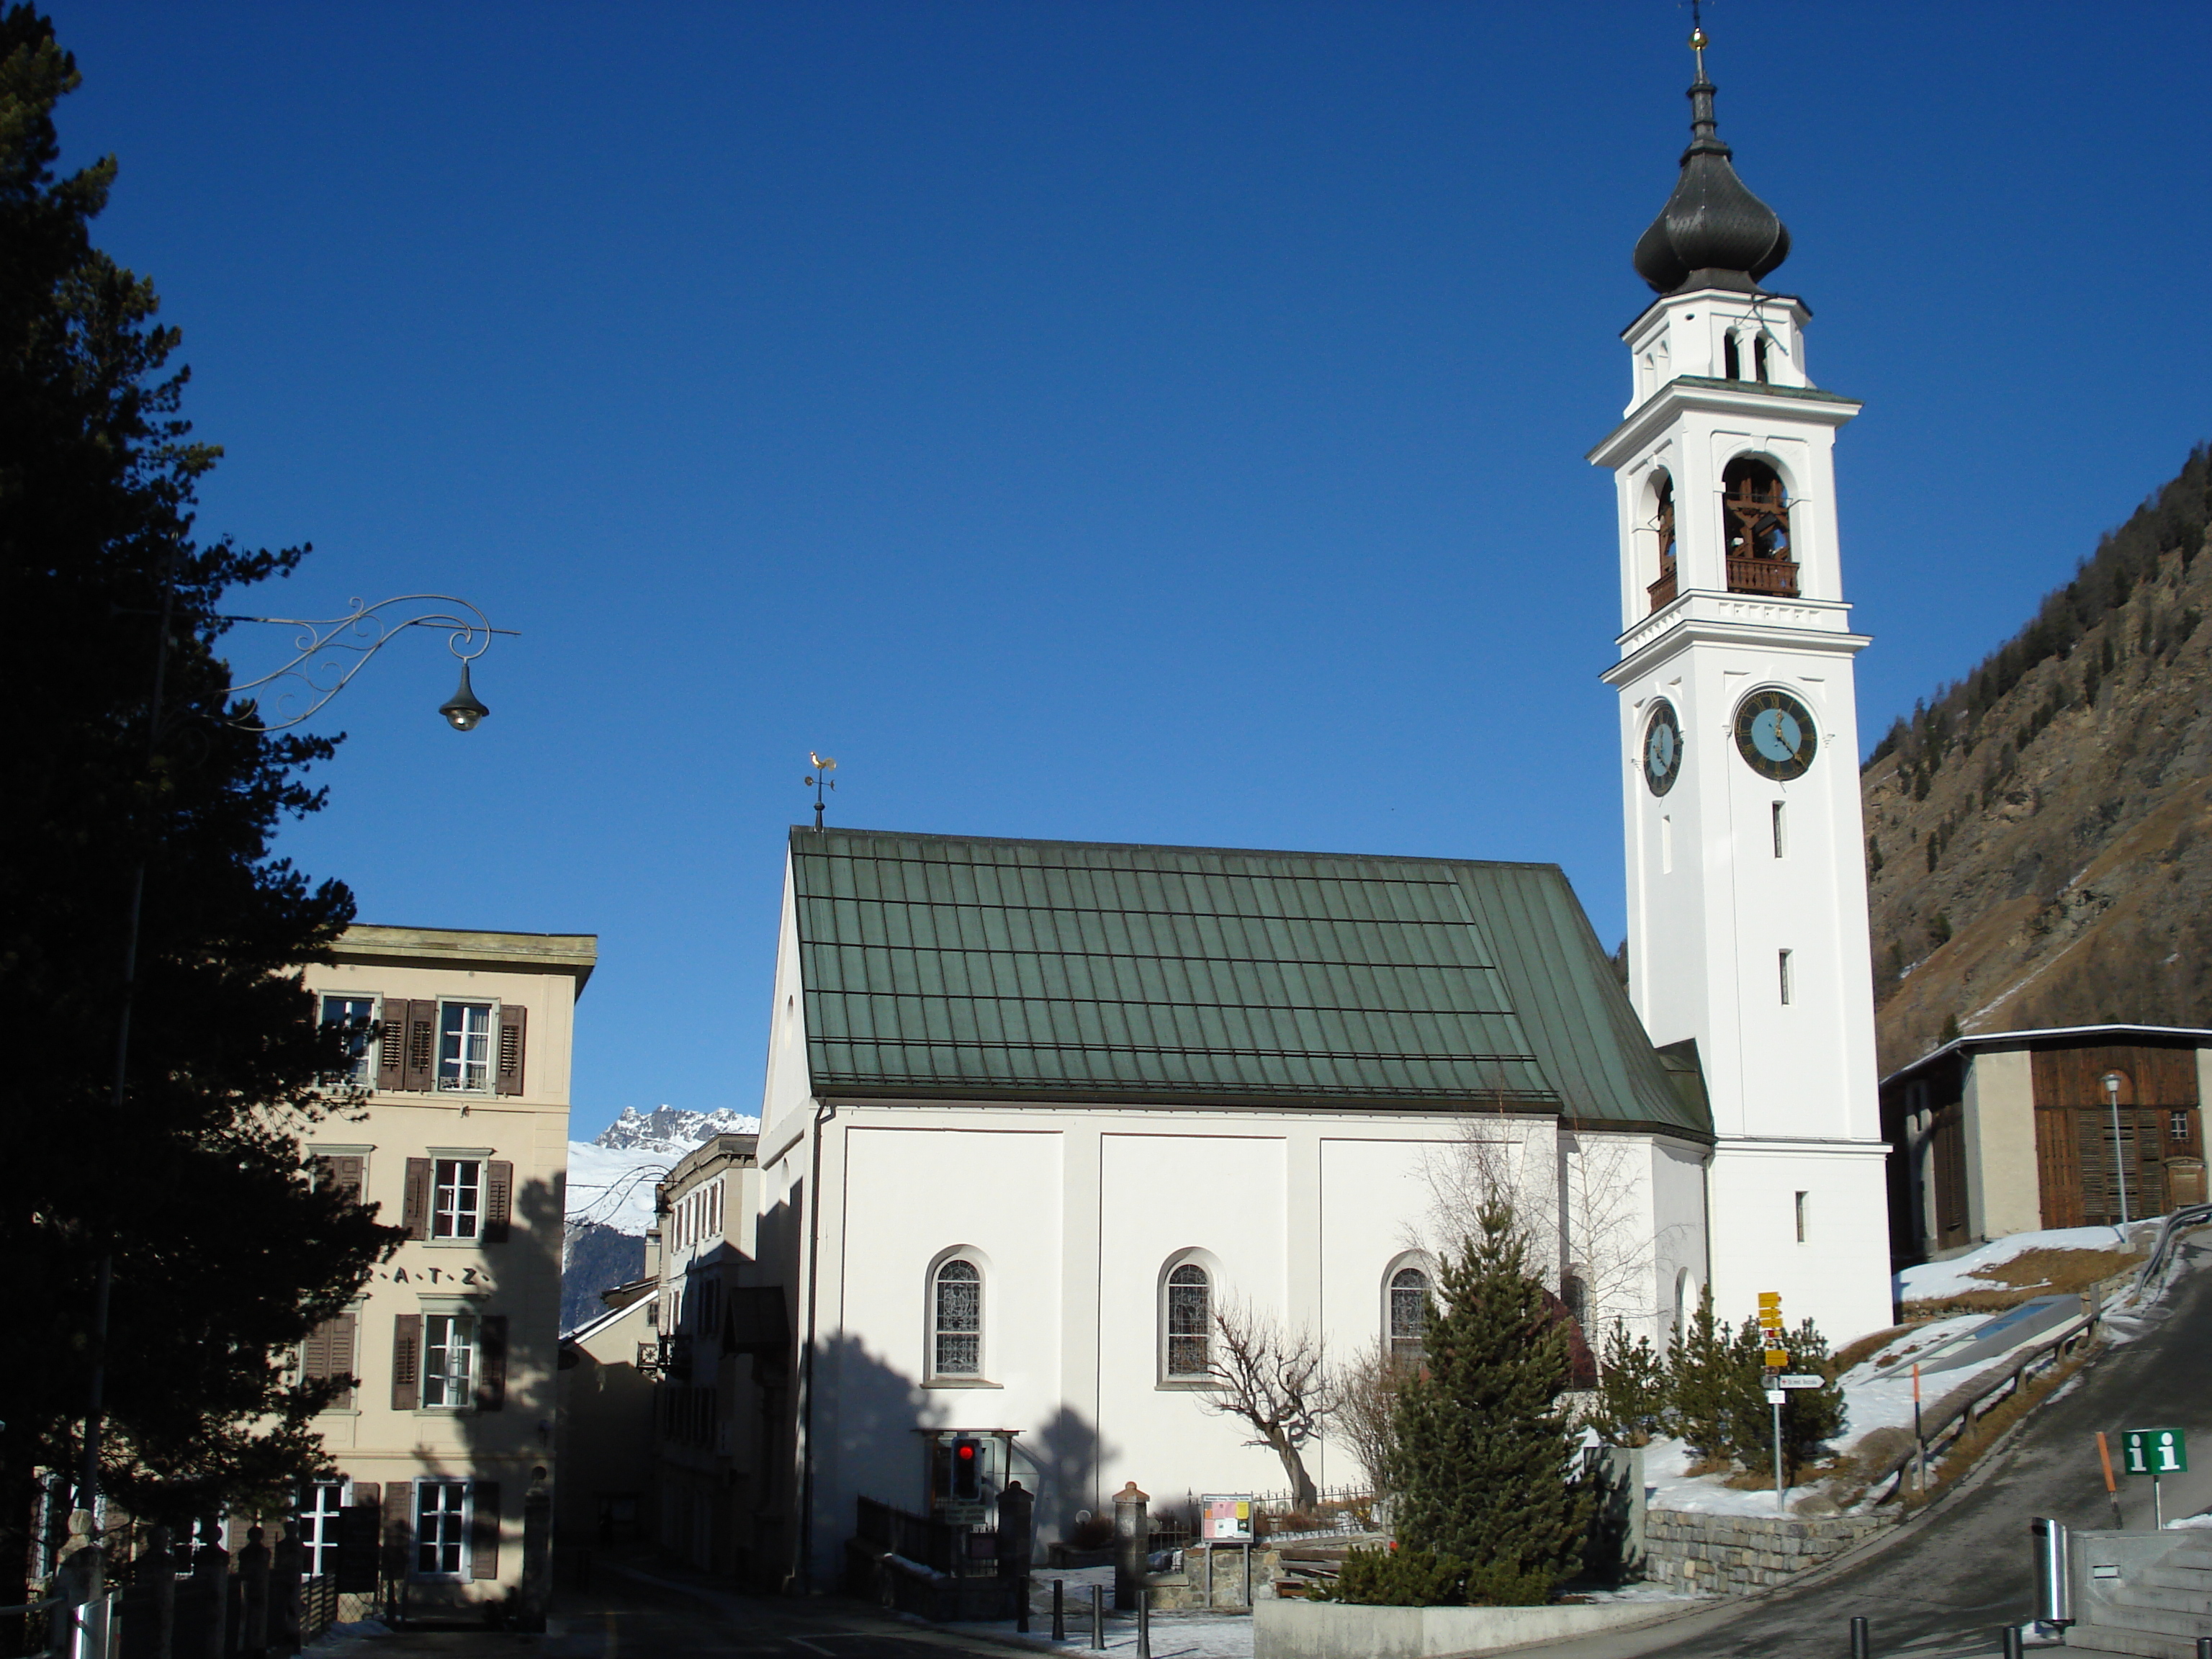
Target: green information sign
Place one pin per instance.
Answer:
(2154, 1452)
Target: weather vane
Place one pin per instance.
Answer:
(818, 780)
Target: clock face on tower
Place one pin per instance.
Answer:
(1662, 748)
(1774, 734)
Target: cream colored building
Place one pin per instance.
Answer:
(445, 1449)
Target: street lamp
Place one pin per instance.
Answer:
(2112, 1080)
(317, 671)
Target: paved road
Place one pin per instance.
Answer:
(641, 1615)
(1952, 1579)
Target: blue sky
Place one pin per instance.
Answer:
(1114, 421)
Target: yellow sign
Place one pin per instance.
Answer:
(1777, 1358)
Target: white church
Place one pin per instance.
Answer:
(1036, 1110)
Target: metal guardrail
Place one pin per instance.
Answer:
(2187, 1218)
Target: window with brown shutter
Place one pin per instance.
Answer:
(491, 1363)
(421, 1045)
(498, 1200)
(406, 1362)
(483, 1528)
(512, 1021)
(328, 1351)
(415, 1210)
(340, 1173)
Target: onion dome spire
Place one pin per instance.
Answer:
(1713, 232)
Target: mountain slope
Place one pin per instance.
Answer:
(611, 1181)
(2040, 836)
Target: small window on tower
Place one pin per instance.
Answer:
(1662, 524)
(1759, 357)
(1782, 962)
(1781, 840)
(1731, 359)
(1801, 1217)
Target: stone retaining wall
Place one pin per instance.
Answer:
(1736, 1554)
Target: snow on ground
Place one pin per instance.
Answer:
(1880, 1396)
(1951, 1277)
(1668, 1486)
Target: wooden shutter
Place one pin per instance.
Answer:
(483, 1528)
(340, 1173)
(392, 1044)
(415, 1212)
(421, 1059)
(512, 1023)
(398, 1529)
(406, 1362)
(338, 1339)
(498, 1200)
(491, 1362)
(315, 1354)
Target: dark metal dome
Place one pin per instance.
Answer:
(1713, 232)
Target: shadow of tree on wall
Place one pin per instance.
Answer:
(870, 1440)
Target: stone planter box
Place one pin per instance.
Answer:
(1336, 1630)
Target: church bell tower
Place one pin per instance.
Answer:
(1738, 741)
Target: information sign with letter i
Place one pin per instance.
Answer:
(2154, 1452)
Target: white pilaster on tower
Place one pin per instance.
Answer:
(1747, 889)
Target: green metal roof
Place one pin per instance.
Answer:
(956, 967)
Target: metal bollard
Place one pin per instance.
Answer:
(2204, 1647)
(2054, 1580)
(2009, 1639)
(1059, 1610)
(1143, 1623)
(1862, 1638)
(1098, 1616)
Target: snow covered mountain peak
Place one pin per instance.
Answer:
(671, 1129)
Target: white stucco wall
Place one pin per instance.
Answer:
(1073, 1214)
(2003, 1187)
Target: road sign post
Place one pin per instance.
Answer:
(2155, 1452)
(1778, 1360)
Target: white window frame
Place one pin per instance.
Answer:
(447, 1212)
(319, 1526)
(941, 1273)
(460, 1520)
(451, 1333)
(369, 1054)
(479, 1067)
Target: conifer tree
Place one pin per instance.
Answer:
(189, 1182)
(1698, 1390)
(1631, 1390)
(1484, 1448)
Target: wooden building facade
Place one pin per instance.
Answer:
(2018, 1131)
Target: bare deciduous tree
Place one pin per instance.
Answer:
(1364, 1394)
(1276, 1382)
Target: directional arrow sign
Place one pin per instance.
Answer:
(1794, 1382)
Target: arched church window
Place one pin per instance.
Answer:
(1663, 523)
(955, 1346)
(1759, 358)
(1755, 523)
(1189, 1321)
(1731, 358)
(1409, 1315)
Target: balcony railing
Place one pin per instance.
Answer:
(1775, 576)
(1663, 591)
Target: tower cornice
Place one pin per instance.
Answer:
(1703, 616)
(1702, 394)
